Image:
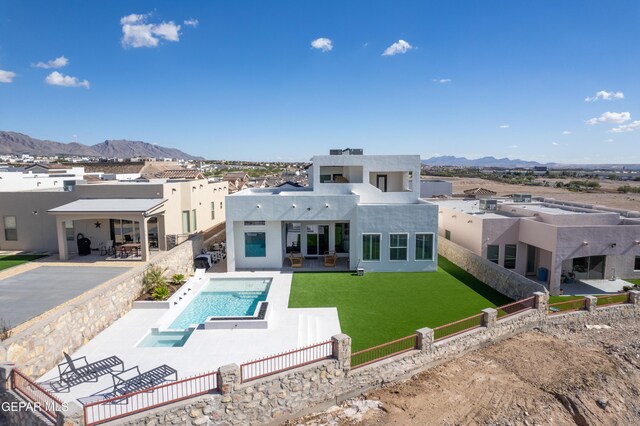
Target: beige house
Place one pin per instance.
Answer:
(549, 240)
(153, 214)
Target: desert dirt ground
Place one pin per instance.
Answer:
(607, 195)
(565, 376)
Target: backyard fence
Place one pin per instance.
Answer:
(516, 307)
(380, 352)
(614, 299)
(267, 366)
(457, 327)
(42, 400)
(116, 407)
(569, 306)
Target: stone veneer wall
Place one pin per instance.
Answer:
(39, 347)
(296, 392)
(504, 280)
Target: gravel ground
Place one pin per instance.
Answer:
(564, 376)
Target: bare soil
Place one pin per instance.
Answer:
(564, 377)
(606, 195)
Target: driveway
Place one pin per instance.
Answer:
(31, 293)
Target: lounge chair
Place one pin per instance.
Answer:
(330, 258)
(73, 373)
(296, 260)
(123, 385)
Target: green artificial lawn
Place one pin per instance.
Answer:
(634, 281)
(556, 299)
(383, 306)
(17, 259)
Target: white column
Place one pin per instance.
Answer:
(144, 239)
(62, 238)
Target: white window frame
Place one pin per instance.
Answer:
(406, 258)
(433, 244)
(362, 240)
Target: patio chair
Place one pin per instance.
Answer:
(75, 371)
(131, 380)
(296, 260)
(330, 258)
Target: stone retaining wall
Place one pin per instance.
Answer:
(504, 280)
(38, 348)
(296, 392)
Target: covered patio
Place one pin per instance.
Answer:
(125, 226)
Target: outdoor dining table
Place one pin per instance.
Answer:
(129, 247)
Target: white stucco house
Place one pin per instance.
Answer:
(365, 208)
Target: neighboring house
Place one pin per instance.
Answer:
(430, 188)
(237, 181)
(590, 242)
(366, 208)
(479, 193)
(40, 176)
(540, 170)
(153, 213)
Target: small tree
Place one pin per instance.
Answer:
(5, 329)
(153, 277)
(177, 279)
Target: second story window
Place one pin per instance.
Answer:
(10, 228)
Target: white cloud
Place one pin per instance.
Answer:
(513, 146)
(635, 125)
(566, 132)
(57, 79)
(442, 80)
(396, 48)
(504, 126)
(192, 22)
(136, 32)
(324, 44)
(605, 96)
(610, 117)
(58, 62)
(7, 76)
(555, 143)
(609, 140)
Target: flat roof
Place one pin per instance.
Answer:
(468, 206)
(114, 205)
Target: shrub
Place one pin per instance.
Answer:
(161, 292)
(626, 287)
(153, 277)
(177, 279)
(5, 329)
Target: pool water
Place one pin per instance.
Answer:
(223, 298)
(165, 339)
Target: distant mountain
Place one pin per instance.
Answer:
(449, 160)
(18, 143)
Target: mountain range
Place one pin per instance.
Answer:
(507, 163)
(18, 143)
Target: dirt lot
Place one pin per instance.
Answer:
(564, 377)
(607, 195)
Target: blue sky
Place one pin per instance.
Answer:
(241, 79)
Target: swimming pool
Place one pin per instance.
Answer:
(165, 339)
(224, 298)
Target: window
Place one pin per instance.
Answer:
(185, 222)
(493, 253)
(447, 234)
(371, 247)
(213, 210)
(194, 222)
(325, 178)
(254, 223)
(424, 246)
(10, 228)
(342, 238)
(510, 251)
(255, 244)
(68, 229)
(636, 265)
(221, 205)
(398, 246)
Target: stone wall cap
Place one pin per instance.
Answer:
(424, 330)
(340, 336)
(489, 310)
(229, 368)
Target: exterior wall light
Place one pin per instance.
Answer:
(326, 205)
(293, 206)
(308, 209)
(612, 245)
(585, 243)
(257, 206)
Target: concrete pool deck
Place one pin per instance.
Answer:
(205, 350)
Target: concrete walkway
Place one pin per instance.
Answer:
(584, 287)
(28, 294)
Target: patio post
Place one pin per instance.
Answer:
(144, 239)
(62, 238)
